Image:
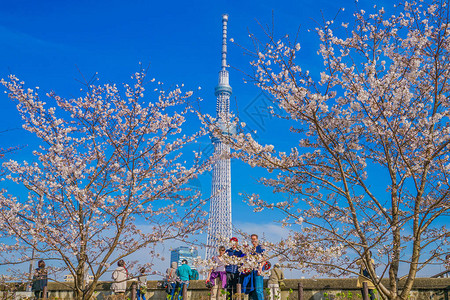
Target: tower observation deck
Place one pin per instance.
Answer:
(219, 222)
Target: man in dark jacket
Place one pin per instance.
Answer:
(233, 269)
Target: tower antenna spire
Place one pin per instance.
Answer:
(224, 40)
(219, 221)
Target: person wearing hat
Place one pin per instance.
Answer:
(233, 269)
(183, 272)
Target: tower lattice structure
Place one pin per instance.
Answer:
(219, 222)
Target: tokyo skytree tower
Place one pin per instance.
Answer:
(219, 222)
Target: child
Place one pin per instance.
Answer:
(142, 285)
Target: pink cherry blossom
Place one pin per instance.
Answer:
(109, 178)
(370, 170)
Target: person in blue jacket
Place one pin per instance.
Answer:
(183, 273)
(258, 279)
(252, 280)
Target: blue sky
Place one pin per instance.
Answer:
(45, 43)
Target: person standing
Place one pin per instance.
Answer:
(171, 278)
(218, 276)
(364, 276)
(258, 278)
(40, 280)
(275, 282)
(120, 276)
(142, 285)
(233, 269)
(183, 272)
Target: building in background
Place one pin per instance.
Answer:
(182, 252)
(69, 278)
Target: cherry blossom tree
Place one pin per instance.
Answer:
(110, 178)
(5, 151)
(370, 169)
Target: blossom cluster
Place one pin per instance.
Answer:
(110, 176)
(248, 261)
(368, 170)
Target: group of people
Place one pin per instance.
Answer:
(178, 277)
(223, 278)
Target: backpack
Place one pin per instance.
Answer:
(194, 275)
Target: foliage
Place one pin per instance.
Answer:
(369, 171)
(110, 178)
(250, 260)
(4, 151)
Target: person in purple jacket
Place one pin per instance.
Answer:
(218, 276)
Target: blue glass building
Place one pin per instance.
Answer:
(181, 253)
